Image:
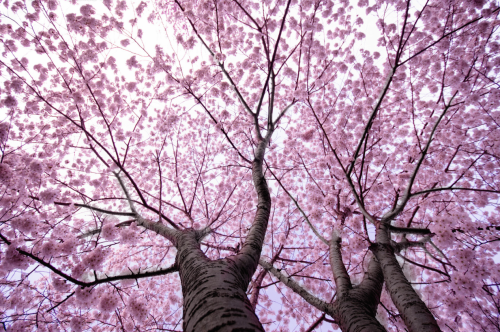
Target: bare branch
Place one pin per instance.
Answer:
(453, 188)
(161, 271)
(404, 230)
(308, 297)
(407, 194)
(159, 228)
(282, 113)
(423, 266)
(315, 231)
(403, 245)
(385, 88)
(444, 36)
(220, 64)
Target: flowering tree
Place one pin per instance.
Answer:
(137, 193)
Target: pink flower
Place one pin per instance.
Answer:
(10, 102)
(137, 309)
(95, 259)
(109, 231)
(36, 167)
(52, 5)
(85, 296)
(108, 302)
(48, 196)
(77, 324)
(5, 172)
(308, 135)
(140, 8)
(4, 132)
(87, 10)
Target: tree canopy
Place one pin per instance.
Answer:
(353, 146)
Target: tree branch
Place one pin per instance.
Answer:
(159, 228)
(308, 297)
(407, 194)
(315, 231)
(75, 281)
(220, 64)
(453, 188)
(340, 275)
(404, 230)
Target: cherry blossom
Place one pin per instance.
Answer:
(250, 165)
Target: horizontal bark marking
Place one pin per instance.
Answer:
(415, 314)
(214, 292)
(355, 315)
(219, 327)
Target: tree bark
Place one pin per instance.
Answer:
(416, 316)
(248, 258)
(355, 309)
(353, 315)
(214, 292)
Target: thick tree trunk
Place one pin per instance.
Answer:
(355, 307)
(352, 315)
(214, 291)
(415, 314)
(355, 310)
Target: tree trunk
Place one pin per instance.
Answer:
(415, 314)
(214, 291)
(355, 310)
(353, 315)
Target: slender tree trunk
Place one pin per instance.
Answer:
(415, 314)
(214, 291)
(356, 307)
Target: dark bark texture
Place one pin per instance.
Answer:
(355, 309)
(415, 314)
(214, 292)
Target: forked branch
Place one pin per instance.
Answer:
(159, 228)
(407, 194)
(131, 275)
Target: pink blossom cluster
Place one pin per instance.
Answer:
(369, 110)
(109, 231)
(108, 302)
(13, 260)
(137, 308)
(85, 297)
(77, 324)
(48, 196)
(5, 173)
(25, 224)
(95, 258)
